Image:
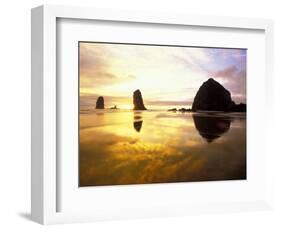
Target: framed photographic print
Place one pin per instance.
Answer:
(140, 114)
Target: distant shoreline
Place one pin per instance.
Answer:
(159, 110)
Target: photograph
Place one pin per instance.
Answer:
(151, 113)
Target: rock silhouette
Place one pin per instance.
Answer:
(138, 101)
(239, 108)
(183, 110)
(100, 103)
(114, 107)
(212, 96)
(211, 127)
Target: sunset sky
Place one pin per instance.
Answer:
(167, 76)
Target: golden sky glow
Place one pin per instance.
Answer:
(166, 76)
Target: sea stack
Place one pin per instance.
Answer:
(212, 96)
(100, 103)
(138, 101)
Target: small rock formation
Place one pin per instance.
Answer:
(212, 96)
(137, 100)
(100, 103)
(183, 110)
(239, 108)
(114, 107)
(173, 110)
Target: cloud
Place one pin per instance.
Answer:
(95, 67)
(227, 72)
(234, 80)
(163, 73)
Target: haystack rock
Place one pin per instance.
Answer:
(100, 103)
(138, 101)
(212, 96)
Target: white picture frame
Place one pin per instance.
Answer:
(45, 165)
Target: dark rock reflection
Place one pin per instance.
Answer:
(211, 127)
(137, 121)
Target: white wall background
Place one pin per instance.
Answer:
(15, 113)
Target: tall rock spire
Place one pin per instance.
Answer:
(138, 101)
(100, 103)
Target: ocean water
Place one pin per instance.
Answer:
(119, 147)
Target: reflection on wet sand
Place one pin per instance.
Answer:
(170, 147)
(137, 121)
(138, 125)
(211, 127)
